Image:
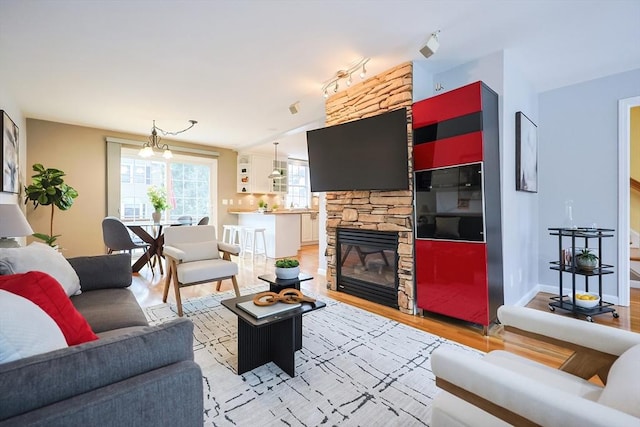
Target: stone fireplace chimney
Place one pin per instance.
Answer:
(375, 210)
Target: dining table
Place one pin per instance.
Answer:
(151, 233)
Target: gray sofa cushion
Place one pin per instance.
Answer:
(108, 309)
(169, 396)
(103, 271)
(38, 381)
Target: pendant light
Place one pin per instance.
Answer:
(275, 174)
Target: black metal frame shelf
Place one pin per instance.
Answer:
(565, 302)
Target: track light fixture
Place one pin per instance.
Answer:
(346, 75)
(431, 46)
(148, 149)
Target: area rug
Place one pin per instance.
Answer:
(355, 368)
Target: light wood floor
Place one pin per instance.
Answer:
(148, 290)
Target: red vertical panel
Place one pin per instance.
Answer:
(451, 279)
(455, 103)
(458, 150)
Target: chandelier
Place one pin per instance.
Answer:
(333, 82)
(148, 148)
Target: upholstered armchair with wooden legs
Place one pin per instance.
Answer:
(503, 389)
(193, 258)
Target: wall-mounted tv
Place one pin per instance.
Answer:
(365, 154)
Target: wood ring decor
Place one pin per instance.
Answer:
(287, 296)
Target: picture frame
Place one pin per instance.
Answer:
(526, 154)
(10, 180)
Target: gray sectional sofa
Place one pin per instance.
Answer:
(133, 375)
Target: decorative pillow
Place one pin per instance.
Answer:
(40, 257)
(44, 291)
(447, 226)
(622, 391)
(199, 251)
(26, 329)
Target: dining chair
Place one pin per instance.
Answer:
(185, 220)
(204, 221)
(117, 238)
(193, 258)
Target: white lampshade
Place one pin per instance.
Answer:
(12, 222)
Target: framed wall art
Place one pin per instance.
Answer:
(10, 178)
(526, 154)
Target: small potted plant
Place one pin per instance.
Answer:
(262, 206)
(287, 268)
(586, 260)
(158, 199)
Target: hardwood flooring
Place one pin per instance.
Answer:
(148, 289)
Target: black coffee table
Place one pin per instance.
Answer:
(276, 285)
(270, 339)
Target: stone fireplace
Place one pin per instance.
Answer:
(367, 264)
(384, 211)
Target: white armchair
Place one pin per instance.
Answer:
(505, 389)
(193, 257)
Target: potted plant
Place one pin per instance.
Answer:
(586, 260)
(287, 268)
(48, 188)
(262, 205)
(158, 199)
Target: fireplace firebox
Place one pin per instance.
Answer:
(367, 264)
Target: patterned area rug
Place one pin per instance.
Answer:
(355, 369)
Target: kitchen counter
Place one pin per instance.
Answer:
(276, 212)
(282, 229)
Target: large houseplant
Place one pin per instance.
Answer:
(49, 189)
(158, 199)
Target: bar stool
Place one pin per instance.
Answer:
(228, 233)
(232, 234)
(249, 244)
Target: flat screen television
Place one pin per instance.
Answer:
(365, 154)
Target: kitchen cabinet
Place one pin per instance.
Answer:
(309, 228)
(253, 173)
(280, 185)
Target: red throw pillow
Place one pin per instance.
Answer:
(45, 291)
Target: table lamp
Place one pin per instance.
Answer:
(12, 224)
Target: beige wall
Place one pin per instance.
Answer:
(634, 134)
(81, 153)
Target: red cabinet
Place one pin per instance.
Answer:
(458, 265)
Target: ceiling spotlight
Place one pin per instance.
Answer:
(431, 46)
(346, 75)
(294, 108)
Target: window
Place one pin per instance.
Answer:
(187, 180)
(189, 190)
(299, 191)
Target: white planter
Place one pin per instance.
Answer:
(157, 215)
(287, 273)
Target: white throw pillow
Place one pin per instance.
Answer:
(622, 391)
(199, 251)
(41, 257)
(26, 329)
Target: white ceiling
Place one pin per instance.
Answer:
(237, 65)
